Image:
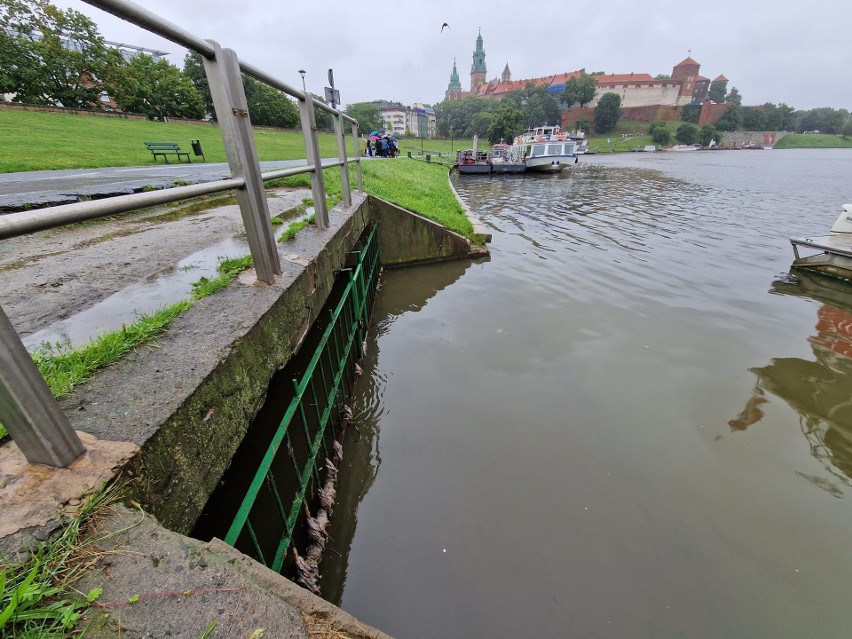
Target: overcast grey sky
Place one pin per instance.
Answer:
(793, 52)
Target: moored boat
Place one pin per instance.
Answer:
(502, 160)
(473, 162)
(545, 148)
(835, 249)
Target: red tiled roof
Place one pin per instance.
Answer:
(721, 78)
(687, 62)
(501, 88)
(622, 78)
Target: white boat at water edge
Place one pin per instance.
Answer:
(685, 147)
(545, 148)
(835, 256)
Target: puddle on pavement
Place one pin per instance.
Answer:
(145, 297)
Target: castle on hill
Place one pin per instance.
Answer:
(685, 86)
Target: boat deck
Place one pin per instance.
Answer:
(834, 244)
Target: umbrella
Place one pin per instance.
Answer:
(394, 136)
(377, 132)
(374, 137)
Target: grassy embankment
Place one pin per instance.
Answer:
(36, 141)
(813, 141)
(42, 141)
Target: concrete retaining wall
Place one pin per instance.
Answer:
(189, 402)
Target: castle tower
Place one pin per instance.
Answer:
(507, 75)
(454, 88)
(687, 72)
(477, 69)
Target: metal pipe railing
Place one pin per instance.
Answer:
(27, 409)
(15, 224)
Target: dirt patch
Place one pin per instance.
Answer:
(33, 495)
(51, 275)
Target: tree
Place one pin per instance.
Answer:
(323, 117)
(607, 112)
(455, 117)
(481, 123)
(847, 129)
(662, 76)
(51, 56)
(690, 113)
(538, 105)
(156, 89)
(506, 123)
(731, 119)
(717, 91)
(267, 106)
(662, 136)
(369, 116)
(706, 135)
(754, 119)
(579, 90)
(193, 68)
(734, 97)
(660, 133)
(687, 133)
(582, 125)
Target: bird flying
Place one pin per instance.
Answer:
(444, 25)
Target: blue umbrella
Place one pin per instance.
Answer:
(378, 131)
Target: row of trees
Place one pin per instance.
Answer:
(781, 117)
(518, 111)
(58, 57)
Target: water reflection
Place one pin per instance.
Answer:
(402, 291)
(819, 390)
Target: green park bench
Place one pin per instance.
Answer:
(166, 149)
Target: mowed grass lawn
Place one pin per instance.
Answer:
(37, 141)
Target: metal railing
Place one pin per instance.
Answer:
(27, 409)
(306, 428)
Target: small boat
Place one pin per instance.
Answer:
(835, 249)
(650, 149)
(580, 138)
(685, 147)
(472, 162)
(502, 160)
(545, 148)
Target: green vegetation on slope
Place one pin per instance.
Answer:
(813, 141)
(43, 141)
(417, 186)
(37, 597)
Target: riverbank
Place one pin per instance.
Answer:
(85, 263)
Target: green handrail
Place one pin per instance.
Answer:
(349, 317)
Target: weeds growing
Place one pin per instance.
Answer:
(36, 598)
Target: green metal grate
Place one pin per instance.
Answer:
(304, 430)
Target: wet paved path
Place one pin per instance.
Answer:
(33, 189)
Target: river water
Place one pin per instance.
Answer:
(629, 422)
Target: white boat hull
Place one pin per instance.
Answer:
(550, 163)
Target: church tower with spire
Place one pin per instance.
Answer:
(477, 69)
(507, 74)
(454, 88)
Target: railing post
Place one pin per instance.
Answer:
(229, 100)
(309, 130)
(357, 156)
(341, 155)
(28, 409)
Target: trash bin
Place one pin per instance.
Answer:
(196, 148)
(428, 158)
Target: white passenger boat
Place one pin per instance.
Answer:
(545, 148)
(835, 249)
